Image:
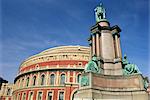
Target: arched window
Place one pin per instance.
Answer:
(27, 83)
(52, 79)
(42, 79)
(50, 95)
(24, 96)
(40, 96)
(62, 79)
(31, 96)
(61, 96)
(34, 80)
(78, 78)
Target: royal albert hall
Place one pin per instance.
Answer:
(53, 74)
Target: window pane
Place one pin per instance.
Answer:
(52, 79)
(62, 80)
(42, 80)
(27, 82)
(61, 96)
(49, 95)
(40, 96)
(34, 80)
(31, 96)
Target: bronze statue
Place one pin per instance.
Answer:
(100, 13)
(92, 65)
(128, 68)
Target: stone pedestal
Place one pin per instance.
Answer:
(108, 87)
(106, 47)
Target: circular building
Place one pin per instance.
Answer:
(53, 74)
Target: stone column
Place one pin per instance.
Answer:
(90, 45)
(116, 34)
(47, 78)
(90, 51)
(93, 45)
(38, 79)
(68, 76)
(100, 45)
(119, 47)
(57, 78)
(116, 45)
(97, 45)
(30, 80)
(74, 76)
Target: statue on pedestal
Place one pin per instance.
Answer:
(100, 13)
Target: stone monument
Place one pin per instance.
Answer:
(107, 76)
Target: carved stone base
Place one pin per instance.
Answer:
(117, 87)
(94, 94)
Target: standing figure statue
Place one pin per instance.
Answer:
(100, 13)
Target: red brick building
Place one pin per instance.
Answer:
(53, 74)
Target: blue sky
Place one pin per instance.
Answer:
(31, 26)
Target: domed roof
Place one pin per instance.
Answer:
(65, 49)
(58, 54)
(62, 49)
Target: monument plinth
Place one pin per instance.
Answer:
(106, 47)
(107, 75)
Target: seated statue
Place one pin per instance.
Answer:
(129, 68)
(100, 13)
(92, 65)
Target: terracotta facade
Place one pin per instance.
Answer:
(53, 74)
